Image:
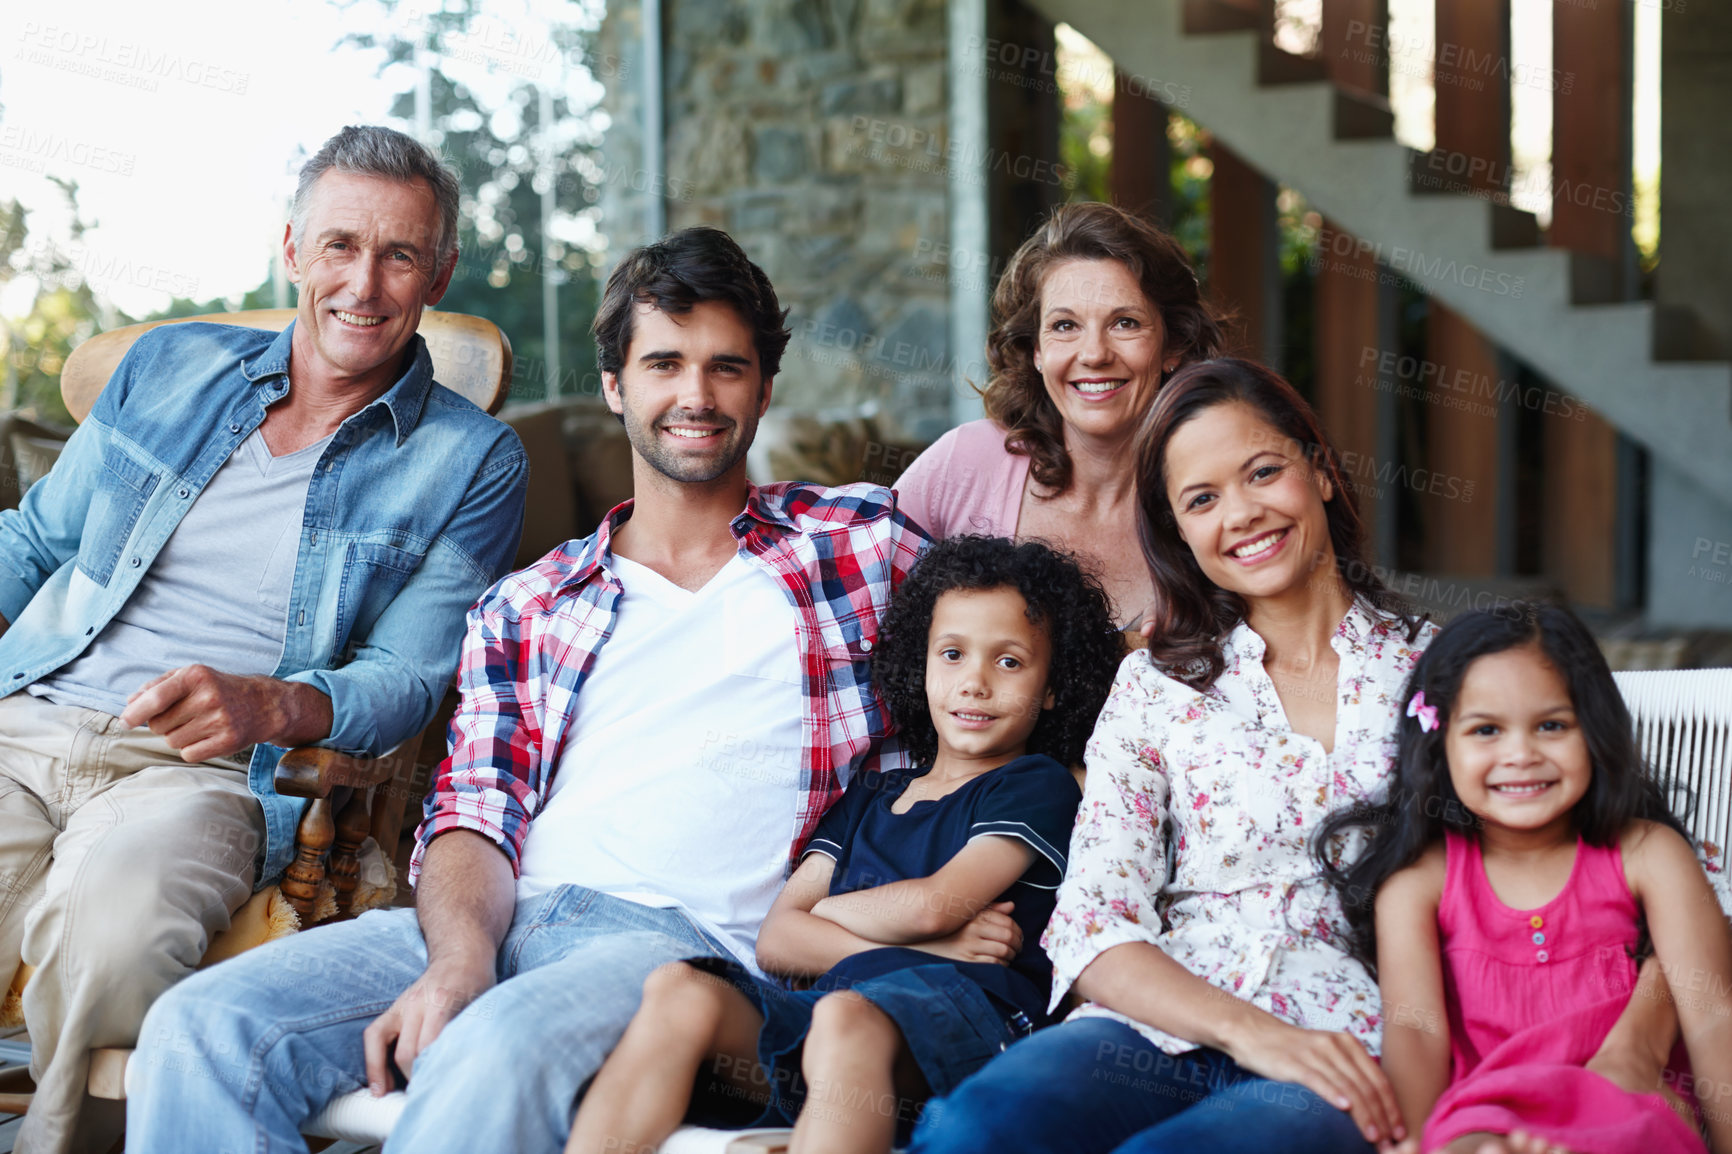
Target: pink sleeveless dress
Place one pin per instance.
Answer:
(1531, 995)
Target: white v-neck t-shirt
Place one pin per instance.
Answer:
(682, 771)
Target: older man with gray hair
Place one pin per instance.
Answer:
(255, 541)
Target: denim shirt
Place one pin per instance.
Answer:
(414, 509)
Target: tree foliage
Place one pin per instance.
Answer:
(64, 313)
(504, 160)
(493, 139)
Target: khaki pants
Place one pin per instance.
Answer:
(118, 862)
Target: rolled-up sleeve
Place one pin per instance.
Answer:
(492, 782)
(1118, 851)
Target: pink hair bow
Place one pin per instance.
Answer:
(1427, 714)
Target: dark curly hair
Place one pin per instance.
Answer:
(1015, 395)
(1064, 600)
(680, 270)
(1193, 615)
(1422, 802)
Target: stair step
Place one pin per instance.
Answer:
(1594, 280)
(1207, 17)
(1362, 116)
(1680, 335)
(1513, 228)
(1275, 68)
(1441, 173)
(1648, 370)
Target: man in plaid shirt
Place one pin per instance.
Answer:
(653, 720)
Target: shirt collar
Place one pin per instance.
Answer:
(1355, 628)
(759, 506)
(405, 400)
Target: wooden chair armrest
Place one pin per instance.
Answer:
(313, 771)
(108, 1072)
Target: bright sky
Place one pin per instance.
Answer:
(184, 124)
(182, 131)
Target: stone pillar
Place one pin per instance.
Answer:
(1459, 492)
(818, 135)
(1245, 256)
(1142, 178)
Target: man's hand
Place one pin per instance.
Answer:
(418, 1016)
(205, 714)
(991, 936)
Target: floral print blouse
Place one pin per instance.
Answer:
(1195, 829)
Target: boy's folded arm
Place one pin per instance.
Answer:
(795, 943)
(1410, 979)
(921, 909)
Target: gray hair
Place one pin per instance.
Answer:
(372, 150)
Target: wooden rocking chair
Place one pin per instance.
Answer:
(351, 798)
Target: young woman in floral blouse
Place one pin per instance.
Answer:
(1222, 1010)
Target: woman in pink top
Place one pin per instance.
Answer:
(1095, 311)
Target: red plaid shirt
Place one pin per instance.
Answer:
(532, 640)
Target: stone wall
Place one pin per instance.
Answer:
(814, 131)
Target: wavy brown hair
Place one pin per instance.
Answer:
(1015, 396)
(1193, 615)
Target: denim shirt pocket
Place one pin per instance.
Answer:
(123, 486)
(374, 572)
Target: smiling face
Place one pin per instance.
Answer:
(1517, 755)
(1248, 502)
(690, 391)
(986, 673)
(1100, 347)
(366, 264)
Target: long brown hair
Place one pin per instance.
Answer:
(1015, 396)
(1193, 615)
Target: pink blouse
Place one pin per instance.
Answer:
(965, 483)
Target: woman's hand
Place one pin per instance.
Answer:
(990, 936)
(1334, 1066)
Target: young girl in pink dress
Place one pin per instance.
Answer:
(1522, 865)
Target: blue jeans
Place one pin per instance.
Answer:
(236, 1057)
(1095, 1085)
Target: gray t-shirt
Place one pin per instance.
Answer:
(217, 594)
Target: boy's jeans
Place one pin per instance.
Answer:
(235, 1058)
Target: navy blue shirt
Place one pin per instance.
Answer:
(1033, 799)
